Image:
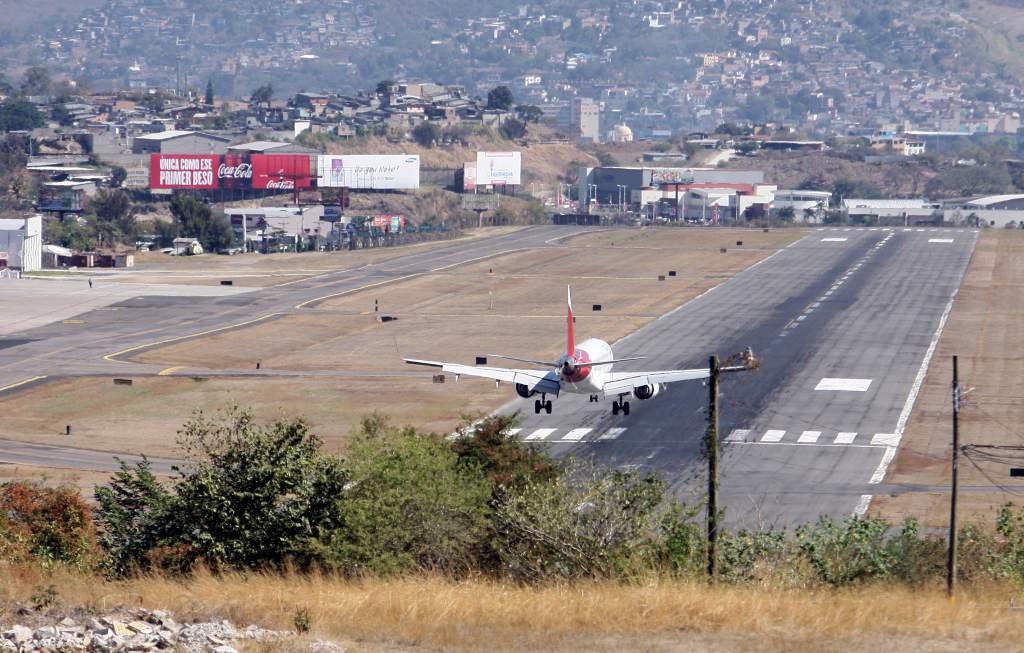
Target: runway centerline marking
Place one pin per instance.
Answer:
(844, 385)
(940, 240)
(833, 240)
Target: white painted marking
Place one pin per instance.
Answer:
(833, 240)
(885, 439)
(801, 318)
(575, 435)
(515, 431)
(612, 434)
(876, 478)
(738, 435)
(845, 438)
(773, 436)
(940, 240)
(920, 230)
(844, 385)
(873, 229)
(862, 505)
(809, 437)
(540, 434)
(847, 229)
(815, 304)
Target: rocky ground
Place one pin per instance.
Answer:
(145, 630)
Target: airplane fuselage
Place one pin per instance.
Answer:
(585, 380)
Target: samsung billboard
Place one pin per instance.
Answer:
(369, 171)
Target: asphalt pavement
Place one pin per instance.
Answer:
(843, 321)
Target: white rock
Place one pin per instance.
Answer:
(18, 634)
(224, 648)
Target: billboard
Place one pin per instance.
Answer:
(389, 223)
(183, 170)
(234, 171)
(469, 177)
(371, 171)
(498, 168)
(671, 176)
(282, 171)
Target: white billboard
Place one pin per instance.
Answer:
(498, 168)
(371, 171)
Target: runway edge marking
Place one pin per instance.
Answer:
(23, 382)
(915, 389)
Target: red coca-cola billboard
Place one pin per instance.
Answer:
(234, 172)
(183, 171)
(282, 171)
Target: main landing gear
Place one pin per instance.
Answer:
(542, 404)
(620, 406)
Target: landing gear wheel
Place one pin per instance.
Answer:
(547, 407)
(536, 406)
(615, 408)
(625, 408)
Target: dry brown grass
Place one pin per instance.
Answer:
(419, 614)
(986, 330)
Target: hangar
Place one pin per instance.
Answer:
(21, 243)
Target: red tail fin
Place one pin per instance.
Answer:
(570, 345)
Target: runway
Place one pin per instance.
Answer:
(843, 322)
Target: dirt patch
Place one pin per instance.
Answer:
(986, 330)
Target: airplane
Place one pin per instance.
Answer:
(582, 369)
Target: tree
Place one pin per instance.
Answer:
(114, 216)
(5, 86)
(194, 219)
(426, 134)
(529, 113)
(501, 98)
(208, 99)
(262, 95)
(155, 102)
(69, 233)
(118, 176)
(18, 114)
(383, 86)
(36, 81)
(251, 496)
(60, 115)
(513, 129)
(786, 214)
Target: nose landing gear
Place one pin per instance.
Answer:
(542, 404)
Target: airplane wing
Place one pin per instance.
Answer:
(545, 381)
(623, 382)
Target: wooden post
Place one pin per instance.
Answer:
(955, 486)
(711, 446)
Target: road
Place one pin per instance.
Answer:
(844, 322)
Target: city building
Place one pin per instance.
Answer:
(585, 119)
(180, 142)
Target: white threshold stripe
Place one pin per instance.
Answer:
(809, 437)
(612, 434)
(762, 443)
(833, 240)
(862, 505)
(515, 431)
(575, 435)
(738, 435)
(844, 385)
(773, 436)
(540, 434)
(940, 240)
(845, 438)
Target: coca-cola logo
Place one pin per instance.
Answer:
(240, 171)
(282, 184)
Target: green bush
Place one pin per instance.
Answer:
(591, 523)
(412, 504)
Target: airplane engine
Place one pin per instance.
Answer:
(647, 391)
(524, 391)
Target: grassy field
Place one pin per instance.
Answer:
(512, 305)
(986, 330)
(416, 614)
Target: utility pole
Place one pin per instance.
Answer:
(711, 449)
(951, 561)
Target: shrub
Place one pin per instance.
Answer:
(591, 523)
(412, 504)
(45, 525)
(503, 458)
